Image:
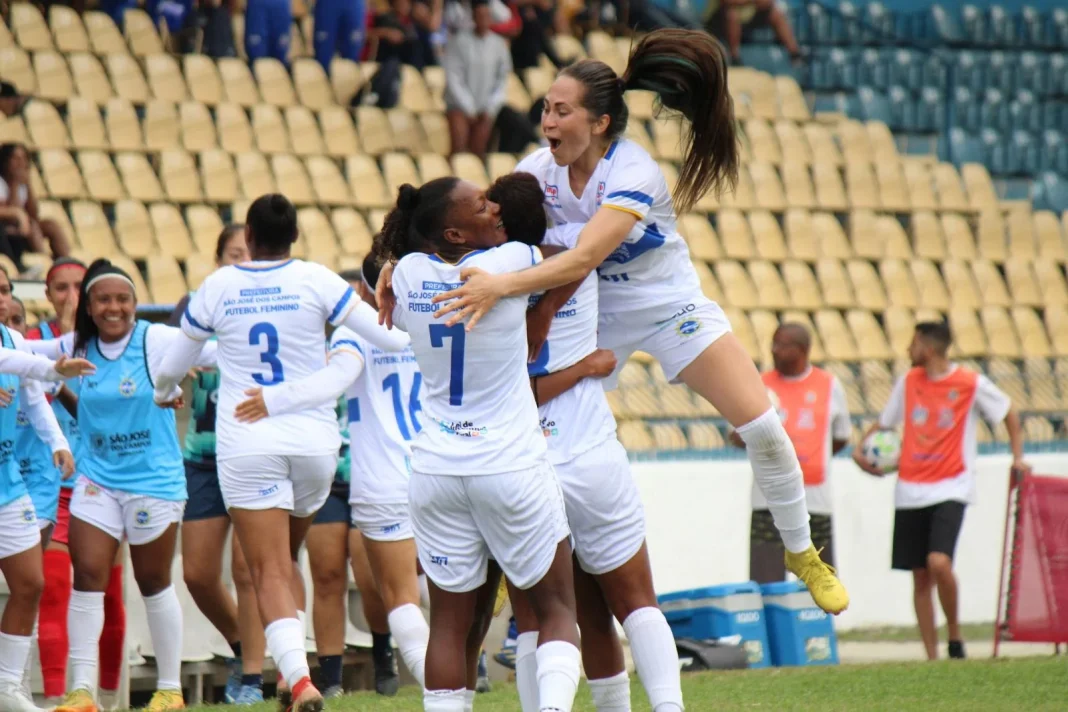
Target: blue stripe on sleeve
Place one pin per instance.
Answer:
(346, 342)
(341, 305)
(193, 322)
(635, 195)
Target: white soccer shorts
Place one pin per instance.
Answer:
(382, 522)
(18, 527)
(297, 483)
(140, 519)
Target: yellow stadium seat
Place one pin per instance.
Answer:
(951, 195)
(669, 436)
(893, 191)
(800, 237)
(319, 234)
(165, 280)
(837, 341)
(15, 67)
(767, 187)
(883, 147)
(601, 46)
(366, 182)
(699, 235)
(919, 186)
(845, 376)
(642, 401)
(640, 104)
(165, 77)
(854, 141)
(1023, 282)
(273, 80)
(102, 32)
(197, 267)
(292, 179)
(741, 198)
(764, 324)
(992, 287)
(432, 166)
(469, 167)
(269, 130)
(1039, 430)
(836, 286)
(1033, 340)
(86, 126)
(416, 97)
(667, 137)
(133, 228)
(830, 192)
(960, 281)
(197, 127)
(345, 79)
(304, 132)
(46, 128)
(968, 337)
(53, 210)
(398, 169)
(931, 289)
(172, 236)
(738, 288)
(792, 104)
(90, 80)
(403, 123)
(927, 236)
(767, 236)
(239, 210)
(635, 437)
(734, 231)
(29, 26)
(124, 129)
(161, 126)
(515, 96)
(1051, 283)
(436, 129)
(861, 186)
(1001, 335)
(709, 202)
(352, 231)
(101, 179)
(797, 182)
(867, 286)
(205, 226)
(254, 175)
(959, 242)
(235, 132)
(218, 177)
(990, 236)
(238, 85)
(60, 174)
(141, 33)
(1037, 372)
(795, 148)
(499, 164)
(94, 231)
(771, 291)
(127, 78)
(1056, 318)
(205, 85)
(894, 238)
(537, 80)
(981, 193)
(868, 335)
(743, 331)
(821, 144)
(709, 285)
(339, 133)
(53, 79)
(375, 133)
(1021, 234)
(637, 133)
(435, 84)
(37, 184)
(864, 234)
(900, 288)
(900, 325)
(13, 130)
(138, 177)
(704, 436)
(312, 85)
(763, 142)
(1048, 233)
(1008, 378)
(804, 291)
(329, 185)
(180, 179)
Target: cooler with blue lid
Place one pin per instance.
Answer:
(720, 612)
(799, 631)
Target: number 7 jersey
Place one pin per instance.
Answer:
(269, 319)
(479, 412)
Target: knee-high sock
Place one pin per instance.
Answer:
(412, 634)
(526, 670)
(778, 474)
(611, 694)
(14, 649)
(85, 621)
(469, 700)
(285, 642)
(656, 658)
(444, 700)
(559, 668)
(114, 634)
(164, 614)
(52, 641)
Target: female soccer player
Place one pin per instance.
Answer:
(650, 295)
(206, 524)
(481, 485)
(269, 317)
(131, 483)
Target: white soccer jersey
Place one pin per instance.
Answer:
(652, 267)
(269, 319)
(578, 419)
(481, 418)
(384, 416)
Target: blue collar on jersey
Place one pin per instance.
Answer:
(436, 258)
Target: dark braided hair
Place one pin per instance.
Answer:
(417, 222)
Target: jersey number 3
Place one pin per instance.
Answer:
(266, 331)
(438, 334)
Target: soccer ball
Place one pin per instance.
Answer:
(882, 449)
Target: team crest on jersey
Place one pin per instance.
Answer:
(143, 517)
(952, 395)
(810, 397)
(21, 419)
(552, 196)
(919, 415)
(99, 443)
(127, 387)
(600, 193)
(688, 327)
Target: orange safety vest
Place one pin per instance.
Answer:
(936, 418)
(805, 407)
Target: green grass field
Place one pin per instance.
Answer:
(1009, 684)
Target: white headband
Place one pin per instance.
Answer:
(110, 275)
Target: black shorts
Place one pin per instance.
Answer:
(767, 554)
(205, 498)
(335, 510)
(919, 532)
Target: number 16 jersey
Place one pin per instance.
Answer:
(269, 319)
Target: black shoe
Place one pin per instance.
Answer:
(386, 680)
(956, 650)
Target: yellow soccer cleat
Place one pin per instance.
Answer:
(822, 580)
(502, 598)
(164, 700)
(77, 701)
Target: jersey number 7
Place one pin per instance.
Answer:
(438, 334)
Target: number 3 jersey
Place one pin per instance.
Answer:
(480, 415)
(269, 319)
(384, 416)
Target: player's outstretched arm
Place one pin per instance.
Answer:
(183, 352)
(599, 364)
(324, 386)
(32, 365)
(363, 320)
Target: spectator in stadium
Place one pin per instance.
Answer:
(18, 206)
(939, 404)
(813, 407)
(477, 65)
(726, 18)
(11, 101)
(404, 32)
(340, 27)
(267, 27)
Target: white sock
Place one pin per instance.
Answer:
(285, 642)
(412, 634)
(164, 613)
(469, 701)
(303, 618)
(85, 622)
(444, 700)
(611, 694)
(14, 649)
(778, 473)
(526, 670)
(656, 658)
(27, 670)
(424, 592)
(559, 668)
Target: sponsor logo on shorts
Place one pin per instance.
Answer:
(440, 560)
(91, 490)
(390, 528)
(268, 490)
(688, 327)
(548, 428)
(142, 517)
(127, 387)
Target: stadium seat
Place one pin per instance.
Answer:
(968, 337)
(836, 286)
(141, 33)
(959, 241)
(13, 130)
(469, 167)
(741, 198)
(1033, 340)
(101, 178)
(837, 341)
(60, 174)
(635, 437)
(312, 85)
(238, 85)
(960, 281)
(893, 193)
(133, 229)
(197, 127)
(235, 132)
(67, 29)
(499, 164)
(867, 286)
(218, 177)
(375, 133)
(932, 291)
(123, 127)
(339, 133)
(794, 144)
(165, 78)
(709, 285)
(403, 123)
(743, 331)
(771, 291)
(990, 236)
(203, 79)
(800, 236)
(91, 225)
(85, 125)
(327, 181)
(433, 165)
(205, 226)
(316, 229)
(833, 241)
(802, 285)
(436, 129)
(161, 125)
(700, 237)
(272, 77)
(980, 188)
(738, 288)
(53, 79)
(398, 169)
(900, 287)
(1002, 339)
(126, 77)
(138, 177)
(893, 236)
(29, 26)
(601, 46)
(1021, 234)
(172, 235)
(951, 195)
(1022, 282)
(734, 231)
(269, 130)
(830, 192)
(103, 34)
(767, 188)
(919, 186)
(89, 78)
(346, 78)
(291, 178)
(797, 183)
(352, 231)
(867, 335)
(45, 127)
(178, 172)
(900, 325)
(667, 138)
(366, 183)
(165, 279)
(254, 175)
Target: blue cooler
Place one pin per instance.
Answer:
(800, 632)
(720, 612)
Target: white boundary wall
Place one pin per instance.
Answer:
(698, 532)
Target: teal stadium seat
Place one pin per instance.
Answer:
(873, 69)
(943, 26)
(973, 24)
(1024, 113)
(1054, 154)
(906, 69)
(1002, 29)
(1031, 28)
(1001, 71)
(965, 109)
(995, 151)
(994, 111)
(1023, 152)
(1050, 192)
(881, 24)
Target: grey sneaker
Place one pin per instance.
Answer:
(12, 699)
(333, 691)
